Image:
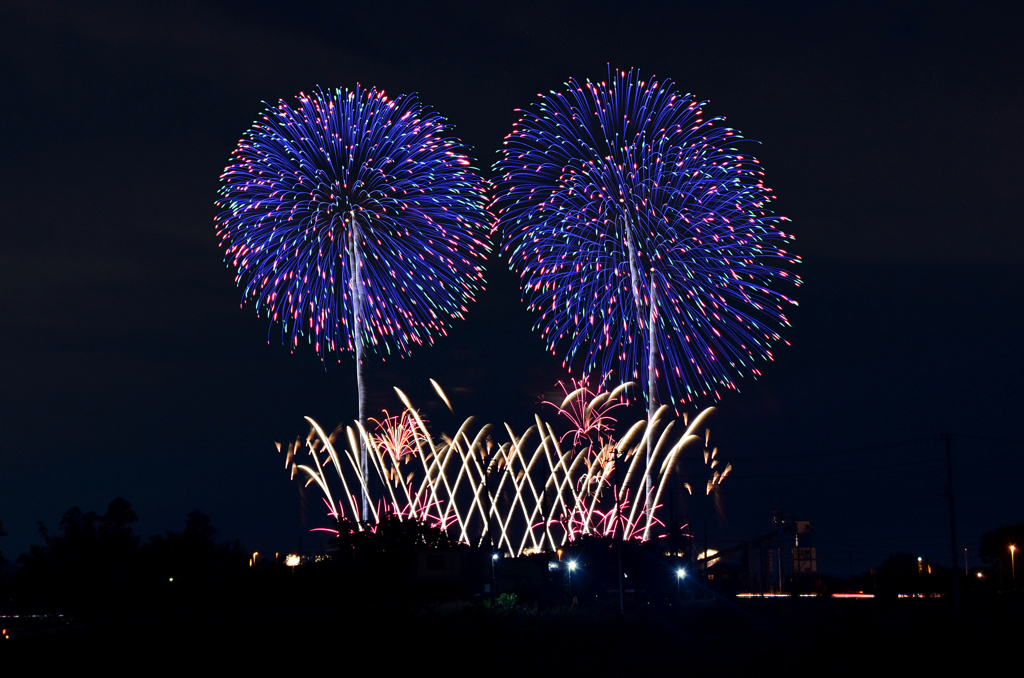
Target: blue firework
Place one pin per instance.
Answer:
(352, 210)
(643, 237)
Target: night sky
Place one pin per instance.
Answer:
(891, 133)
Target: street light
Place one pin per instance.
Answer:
(570, 567)
(494, 559)
(1013, 570)
(680, 575)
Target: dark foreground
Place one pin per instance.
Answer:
(293, 628)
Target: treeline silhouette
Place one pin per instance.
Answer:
(93, 584)
(94, 569)
(183, 598)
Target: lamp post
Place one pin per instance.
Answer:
(494, 559)
(1013, 570)
(680, 575)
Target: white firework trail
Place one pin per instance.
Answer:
(524, 495)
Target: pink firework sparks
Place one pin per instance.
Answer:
(589, 412)
(397, 436)
(526, 494)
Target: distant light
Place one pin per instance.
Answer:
(494, 556)
(775, 595)
(292, 559)
(681, 573)
(572, 565)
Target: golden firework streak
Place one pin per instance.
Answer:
(529, 492)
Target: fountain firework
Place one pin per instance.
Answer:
(525, 495)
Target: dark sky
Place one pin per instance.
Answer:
(890, 131)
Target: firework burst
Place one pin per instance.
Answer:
(589, 412)
(353, 205)
(354, 220)
(643, 238)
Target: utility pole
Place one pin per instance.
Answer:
(952, 520)
(618, 542)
